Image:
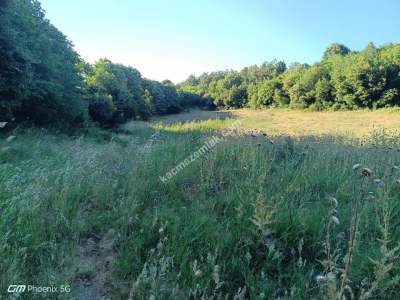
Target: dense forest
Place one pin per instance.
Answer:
(44, 81)
(343, 79)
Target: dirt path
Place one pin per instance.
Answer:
(94, 259)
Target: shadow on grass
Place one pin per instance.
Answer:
(193, 116)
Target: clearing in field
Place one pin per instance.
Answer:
(300, 123)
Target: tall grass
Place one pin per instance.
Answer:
(251, 219)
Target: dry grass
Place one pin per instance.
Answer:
(300, 123)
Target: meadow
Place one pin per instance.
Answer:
(290, 205)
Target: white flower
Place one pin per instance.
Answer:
(333, 201)
(198, 273)
(371, 197)
(320, 278)
(335, 220)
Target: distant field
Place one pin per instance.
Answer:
(301, 123)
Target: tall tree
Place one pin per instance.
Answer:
(336, 49)
(39, 78)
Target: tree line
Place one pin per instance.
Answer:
(44, 81)
(343, 79)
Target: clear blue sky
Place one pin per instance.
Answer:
(173, 39)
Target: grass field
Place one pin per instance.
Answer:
(302, 123)
(288, 205)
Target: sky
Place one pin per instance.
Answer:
(172, 39)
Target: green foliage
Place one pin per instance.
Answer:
(121, 86)
(163, 98)
(231, 89)
(39, 80)
(336, 49)
(43, 80)
(102, 110)
(268, 93)
(342, 80)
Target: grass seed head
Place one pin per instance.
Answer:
(10, 138)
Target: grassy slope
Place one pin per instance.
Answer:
(249, 215)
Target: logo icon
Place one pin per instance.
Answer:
(13, 288)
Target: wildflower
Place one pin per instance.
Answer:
(366, 172)
(335, 220)
(198, 273)
(320, 278)
(3, 124)
(371, 197)
(356, 167)
(216, 274)
(161, 230)
(333, 201)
